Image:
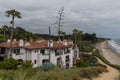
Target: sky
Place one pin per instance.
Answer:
(92, 16)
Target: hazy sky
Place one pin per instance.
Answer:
(99, 16)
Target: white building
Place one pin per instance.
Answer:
(38, 52)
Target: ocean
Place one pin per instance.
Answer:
(114, 45)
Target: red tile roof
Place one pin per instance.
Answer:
(15, 44)
(36, 45)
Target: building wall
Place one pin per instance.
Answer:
(28, 55)
(7, 55)
(54, 57)
(37, 57)
(34, 56)
(21, 55)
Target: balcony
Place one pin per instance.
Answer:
(66, 51)
(57, 53)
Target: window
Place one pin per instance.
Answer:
(67, 51)
(45, 60)
(67, 65)
(58, 60)
(16, 51)
(2, 50)
(42, 51)
(67, 59)
(35, 61)
(58, 52)
(10, 55)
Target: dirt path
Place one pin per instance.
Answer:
(113, 74)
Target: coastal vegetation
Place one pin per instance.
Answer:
(54, 74)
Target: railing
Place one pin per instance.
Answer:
(2, 55)
(58, 53)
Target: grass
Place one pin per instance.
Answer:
(56, 74)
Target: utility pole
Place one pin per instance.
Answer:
(4, 35)
(59, 23)
(49, 42)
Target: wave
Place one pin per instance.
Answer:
(114, 46)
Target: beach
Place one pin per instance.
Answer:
(113, 58)
(108, 53)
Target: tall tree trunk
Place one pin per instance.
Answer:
(11, 37)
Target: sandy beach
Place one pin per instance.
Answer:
(112, 57)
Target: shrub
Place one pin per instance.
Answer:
(9, 64)
(92, 61)
(26, 64)
(91, 72)
(81, 64)
(87, 47)
(48, 66)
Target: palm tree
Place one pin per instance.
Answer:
(5, 29)
(14, 14)
(77, 38)
(80, 34)
(75, 34)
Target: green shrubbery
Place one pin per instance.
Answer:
(9, 64)
(92, 61)
(81, 64)
(87, 47)
(48, 66)
(26, 64)
(56, 74)
(13, 64)
(92, 71)
(87, 60)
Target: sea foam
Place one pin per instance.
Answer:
(114, 45)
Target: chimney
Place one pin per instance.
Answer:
(27, 43)
(51, 43)
(8, 40)
(21, 42)
(31, 40)
(65, 42)
(14, 39)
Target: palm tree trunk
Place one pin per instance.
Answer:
(11, 37)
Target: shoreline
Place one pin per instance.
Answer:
(112, 56)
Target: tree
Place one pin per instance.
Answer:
(80, 34)
(77, 38)
(59, 22)
(63, 34)
(90, 37)
(75, 34)
(5, 30)
(14, 14)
